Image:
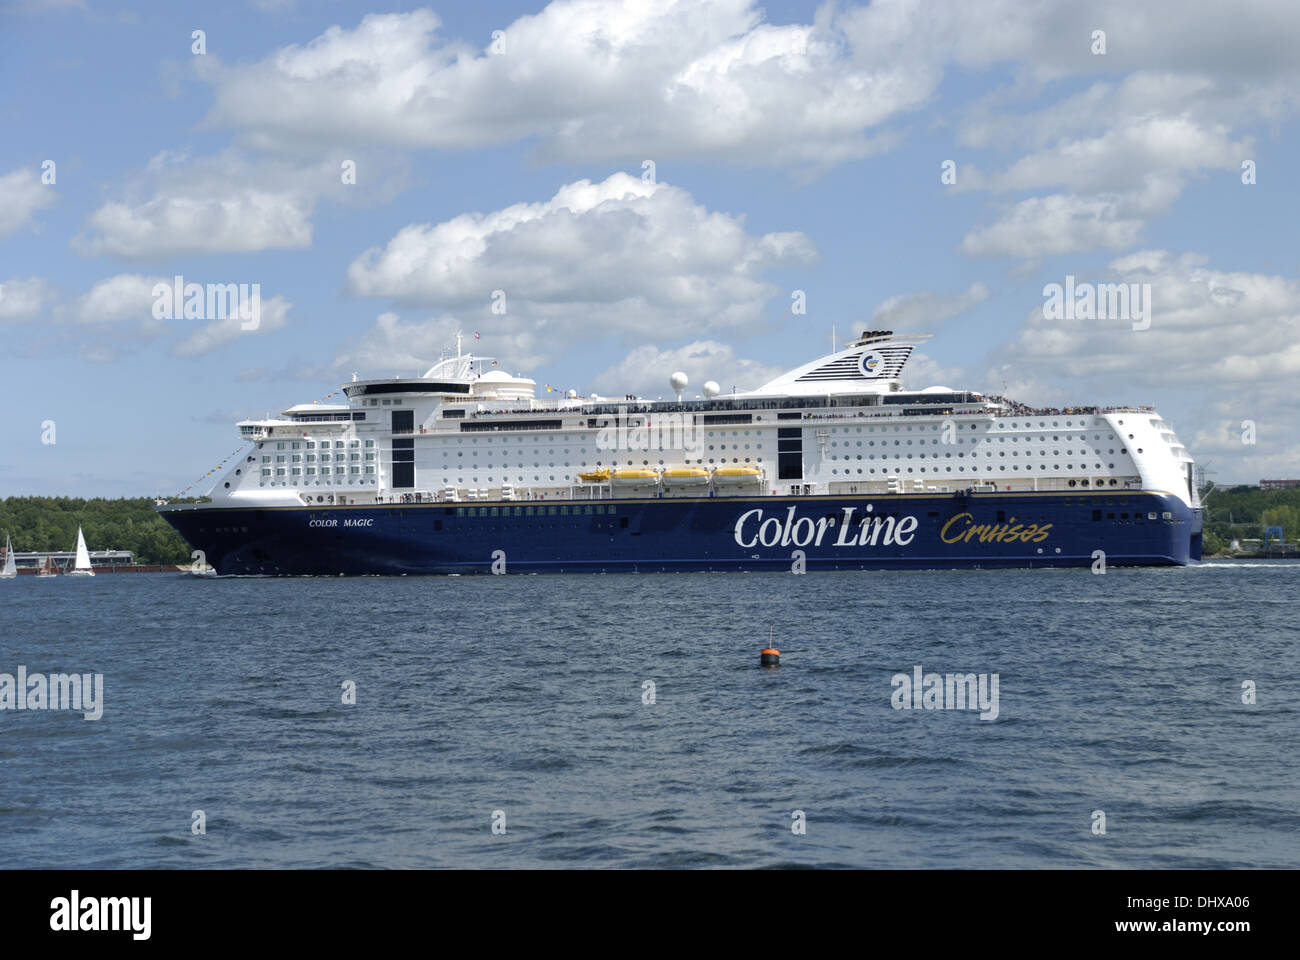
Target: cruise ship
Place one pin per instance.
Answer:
(831, 466)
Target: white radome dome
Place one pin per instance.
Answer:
(711, 389)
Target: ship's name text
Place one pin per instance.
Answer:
(754, 528)
(349, 522)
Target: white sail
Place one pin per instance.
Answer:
(81, 567)
(10, 568)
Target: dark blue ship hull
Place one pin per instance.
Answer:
(899, 531)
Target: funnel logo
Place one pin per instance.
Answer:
(870, 363)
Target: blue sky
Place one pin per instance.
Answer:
(795, 147)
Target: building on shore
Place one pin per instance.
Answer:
(1279, 484)
(64, 559)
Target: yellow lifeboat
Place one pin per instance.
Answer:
(595, 476)
(637, 477)
(685, 477)
(730, 475)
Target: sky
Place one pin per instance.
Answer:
(608, 191)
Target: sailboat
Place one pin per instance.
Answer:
(48, 569)
(10, 568)
(81, 567)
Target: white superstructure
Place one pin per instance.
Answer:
(841, 424)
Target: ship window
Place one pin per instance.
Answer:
(266, 471)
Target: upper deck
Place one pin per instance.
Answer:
(843, 423)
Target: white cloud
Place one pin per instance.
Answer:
(23, 299)
(595, 79)
(220, 204)
(1206, 326)
(616, 256)
(123, 305)
(1223, 344)
(1060, 223)
(401, 348)
(21, 195)
(624, 80)
(273, 314)
(1121, 151)
(1128, 156)
(922, 311)
(124, 297)
(228, 203)
(645, 370)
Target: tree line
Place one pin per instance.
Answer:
(39, 524)
(1236, 513)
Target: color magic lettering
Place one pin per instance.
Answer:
(753, 528)
(963, 528)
